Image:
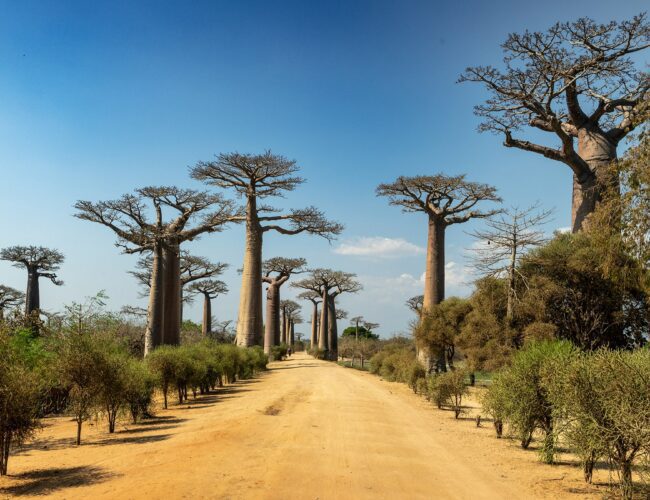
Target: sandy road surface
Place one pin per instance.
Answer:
(307, 429)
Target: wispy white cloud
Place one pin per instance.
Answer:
(377, 246)
(563, 229)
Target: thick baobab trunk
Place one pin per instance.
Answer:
(207, 314)
(249, 324)
(323, 340)
(434, 278)
(434, 284)
(313, 341)
(32, 297)
(599, 152)
(172, 294)
(283, 328)
(332, 331)
(291, 333)
(153, 333)
(272, 325)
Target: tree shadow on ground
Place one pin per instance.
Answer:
(47, 481)
(294, 366)
(115, 439)
(221, 394)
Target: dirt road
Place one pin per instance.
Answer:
(307, 429)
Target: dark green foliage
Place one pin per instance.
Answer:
(446, 389)
(519, 397)
(203, 366)
(21, 387)
(278, 352)
(351, 331)
(603, 398)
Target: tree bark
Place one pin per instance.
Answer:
(291, 333)
(598, 152)
(32, 297)
(207, 314)
(249, 324)
(283, 327)
(272, 325)
(332, 330)
(313, 341)
(171, 294)
(323, 340)
(153, 333)
(434, 281)
(434, 278)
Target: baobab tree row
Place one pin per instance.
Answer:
(327, 285)
(143, 226)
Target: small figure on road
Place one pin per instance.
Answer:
(288, 351)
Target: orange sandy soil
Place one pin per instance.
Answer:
(306, 429)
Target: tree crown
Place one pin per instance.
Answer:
(572, 76)
(449, 199)
(44, 261)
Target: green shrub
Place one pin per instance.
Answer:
(448, 389)
(518, 394)
(604, 398)
(318, 353)
(139, 388)
(163, 364)
(21, 385)
(278, 352)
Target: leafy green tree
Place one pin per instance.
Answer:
(591, 289)
(439, 326)
(21, 387)
(351, 331)
(603, 397)
(519, 396)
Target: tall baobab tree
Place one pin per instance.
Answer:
(257, 177)
(289, 310)
(197, 212)
(508, 235)
(192, 268)
(9, 298)
(276, 272)
(576, 82)
(210, 289)
(315, 299)
(40, 262)
(356, 321)
(329, 284)
(446, 201)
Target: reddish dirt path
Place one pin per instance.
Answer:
(307, 429)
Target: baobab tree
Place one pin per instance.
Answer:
(508, 235)
(257, 177)
(129, 217)
(289, 310)
(276, 272)
(575, 82)
(446, 201)
(356, 321)
(329, 284)
(9, 298)
(192, 268)
(315, 299)
(40, 262)
(210, 289)
(415, 304)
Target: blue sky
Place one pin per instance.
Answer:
(98, 98)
